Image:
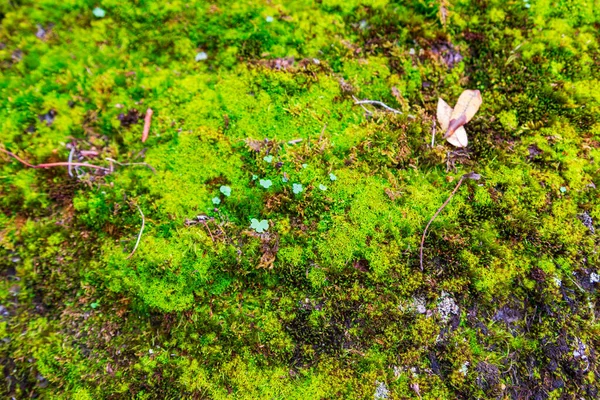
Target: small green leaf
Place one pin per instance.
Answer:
(266, 183)
(216, 200)
(98, 12)
(268, 158)
(226, 190)
(322, 187)
(332, 177)
(297, 188)
(259, 226)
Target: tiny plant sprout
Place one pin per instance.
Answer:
(259, 226)
(266, 183)
(216, 201)
(332, 177)
(226, 190)
(268, 158)
(304, 165)
(98, 12)
(322, 187)
(285, 179)
(201, 56)
(254, 177)
(297, 188)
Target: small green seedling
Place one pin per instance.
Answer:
(297, 188)
(266, 183)
(226, 190)
(259, 226)
(98, 12)
(216, 200)
(322, 187)
(268, 158)
(332, 177)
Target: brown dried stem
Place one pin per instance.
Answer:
(50, 165)
(462, 178)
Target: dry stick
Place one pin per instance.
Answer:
(433, 133)
(208, 229)
(140, 234)
(378, 103)
(71, 160)
(50, 165)
(147, 122)
(462, 178)
(322, 132)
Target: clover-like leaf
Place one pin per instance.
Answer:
(266, 183)
(226, 190)
(297, 188)
(259, 226)
(98, 12)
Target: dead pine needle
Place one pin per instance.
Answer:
(471, 175)
(147, 122)
(139, 235)
(377, 103)
(50, 165)
(433, 132)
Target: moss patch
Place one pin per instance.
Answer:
(328, 301)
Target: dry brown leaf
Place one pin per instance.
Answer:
(467, 105)
(444, 113)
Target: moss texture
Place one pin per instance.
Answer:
(330, 300)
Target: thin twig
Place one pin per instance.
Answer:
(143, 164)
(208, 229)
(462, 178)
(139, 235)
(50, 165)
(88, 153)
(322, 132)
(71, 160)
(147, 122)
(380, 104)
(433, 132)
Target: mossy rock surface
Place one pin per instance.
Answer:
(282, 222)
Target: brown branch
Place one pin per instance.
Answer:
(147, 121)
(378, 103)
(462, 178)
(50, 165)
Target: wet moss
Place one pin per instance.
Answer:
(330, 301)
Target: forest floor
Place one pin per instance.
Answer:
(259, 235)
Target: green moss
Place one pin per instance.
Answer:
(328, 301)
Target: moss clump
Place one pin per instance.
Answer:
(329, 300)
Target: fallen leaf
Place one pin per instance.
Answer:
(444, 113)
(467, 105)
